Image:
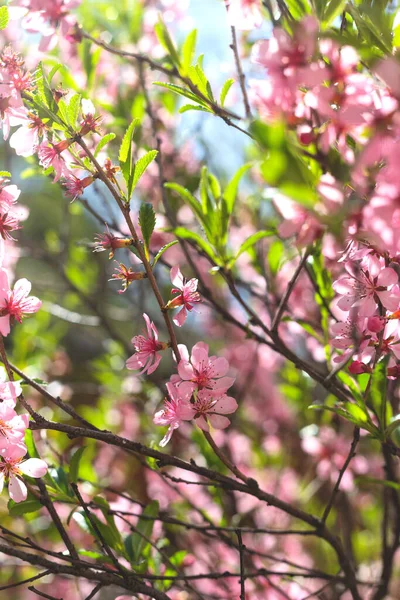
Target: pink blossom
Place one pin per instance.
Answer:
(9, 195)
(363, 289)
(108, 241)
(244, 14)
(187, 295)
(203, 372)
(297, 221)
(50, 156)
(9, 390)
(26, 139)
(177, 408)
(147, 355)
(12, 467)
(8, 223)
(75, 186)
(12, 426)
(16, 303)
(211, 410)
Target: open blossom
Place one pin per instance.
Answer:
(147, 355)
(364, 287)
(177, 408)
(26, 139)
(244, 14)
(75, 186)
(50, 156)
(16, 303)
(211, 410)
(203, 372)
(9, 195)
(12, 426)
(187, 295)
(9, 390)
(8, 223)
(12, 468)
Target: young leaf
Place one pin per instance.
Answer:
(136, 543)
(232, 187)
(166, 42)
(187, 107)
(162, 250)
(188, 198)
(73, 109)
(31, 504)
(74, 464)
(225, 89)
(147, 222)
(125, 154)
(186, 234)
(140, 167)
(332, 10)
(188, 50)
(181, 91)
(253, 239)
(4, 16)
(103, 142)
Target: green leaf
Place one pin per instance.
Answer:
(103, 142)
(188, 50)
(253, 239)
(135, 543)
(162, 250)
(125, 154)
(147, 222)
(188, 198)
(74, 464)
(73, 109)
(54, 70)
(186, 234)
(378, 394)
(31, 504)
(225, 89)
(4, 16)
(302, 194)
(275, 255)
(140, 167)
(231, 189)
(166, 42)
(332, 10)
(181, 91)
(187, 107)
(393, 426)
(199, 79)
(30, 444)
(5, 174)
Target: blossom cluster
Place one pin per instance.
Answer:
(15, 303)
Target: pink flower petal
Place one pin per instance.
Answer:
(17, 489)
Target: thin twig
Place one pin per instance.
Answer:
(242, 548)
(352, 453)
(242, 77)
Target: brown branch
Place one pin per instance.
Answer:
(242, 548)
(47, 502)
(352, 453)
(285, 298)
(242, 77)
